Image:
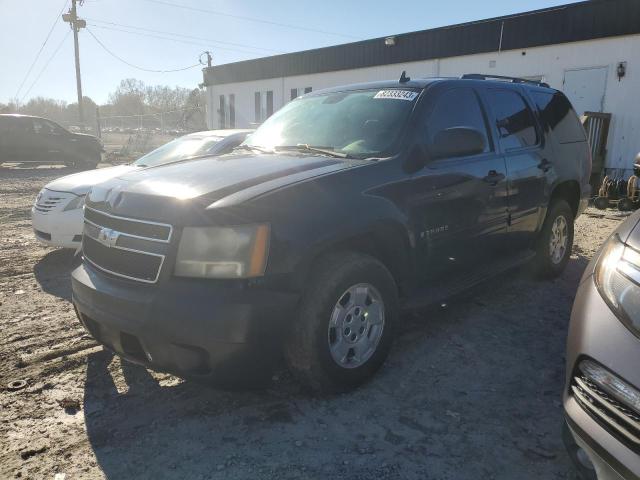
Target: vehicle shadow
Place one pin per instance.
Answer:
(9, 171)
(53, 272)
(486, 370)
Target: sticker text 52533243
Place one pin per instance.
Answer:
(397, 94)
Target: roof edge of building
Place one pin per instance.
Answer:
(586, 20)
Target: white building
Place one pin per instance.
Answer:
(590, 50)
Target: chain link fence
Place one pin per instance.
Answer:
(128, 137)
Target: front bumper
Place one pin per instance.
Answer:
(58, 228)
(595, 332)
(194, 328)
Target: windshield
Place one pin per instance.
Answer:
(178, 149)
(362, 123)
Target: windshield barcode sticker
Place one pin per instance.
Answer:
(408, 95)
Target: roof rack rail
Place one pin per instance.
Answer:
(481, 76)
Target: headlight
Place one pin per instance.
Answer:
(77, 202)
(617, 277)
(223, 252)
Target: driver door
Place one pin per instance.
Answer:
(459, 204)
(51, 141)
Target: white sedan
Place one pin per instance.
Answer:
(57, 216)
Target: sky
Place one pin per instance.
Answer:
(172, 34)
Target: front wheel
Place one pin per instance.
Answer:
(345, 323)
(555, 242)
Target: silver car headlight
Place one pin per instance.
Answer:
(77, 202)
(617, 277)
(223, 252)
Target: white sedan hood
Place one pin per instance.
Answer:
(79, 183)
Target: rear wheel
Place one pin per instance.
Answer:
(345, 324)
(556, 240)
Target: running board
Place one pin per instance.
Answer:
(436, 293)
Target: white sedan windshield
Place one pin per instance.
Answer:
(178, 149)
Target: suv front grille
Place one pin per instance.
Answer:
(616, 417)
(125, 247)
(135, 228)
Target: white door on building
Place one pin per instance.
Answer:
(585, 88)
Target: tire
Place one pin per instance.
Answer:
(549, 262)
(601, 203)
(625, 204)
(357, 291)
(85, 164)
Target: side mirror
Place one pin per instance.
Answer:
(457, 142)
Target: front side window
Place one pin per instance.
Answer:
(361, 123)
(513, 119)
(458, 107)
(178, 149)
(45, 127)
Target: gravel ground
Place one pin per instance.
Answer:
(471, 390)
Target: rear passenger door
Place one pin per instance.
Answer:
(528, 159)
(17, 140)
(459, 202)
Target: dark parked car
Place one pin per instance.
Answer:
(24, 138)
(343, 208)
(602, 394)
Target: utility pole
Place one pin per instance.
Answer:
(76, 24)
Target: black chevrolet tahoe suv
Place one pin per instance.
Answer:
(345, 208)
(28, 139)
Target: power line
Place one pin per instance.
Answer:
(184, 35)
(55, 22)
(250, 19)
(136, 66)
(142, 34)
(55, 52)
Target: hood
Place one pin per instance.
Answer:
(629, 231)
(155, 192)
(79, 183)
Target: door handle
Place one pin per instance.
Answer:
(493, 177)
(544, 165)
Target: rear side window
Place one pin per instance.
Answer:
(557, 114)
(458, 107)
(513, 118)
(15, 125)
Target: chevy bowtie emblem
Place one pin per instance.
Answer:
(108, 237)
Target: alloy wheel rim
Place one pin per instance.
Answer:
(559, 240)
(356, 325)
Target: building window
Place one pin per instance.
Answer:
(269, 104)
(296, 92)
(232, 111)
(222, 112)
(258, 108)
(263, 102)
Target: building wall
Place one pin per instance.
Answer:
(549, 62)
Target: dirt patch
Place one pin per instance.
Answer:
(470, 391)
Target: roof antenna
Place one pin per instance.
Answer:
(404, 78)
